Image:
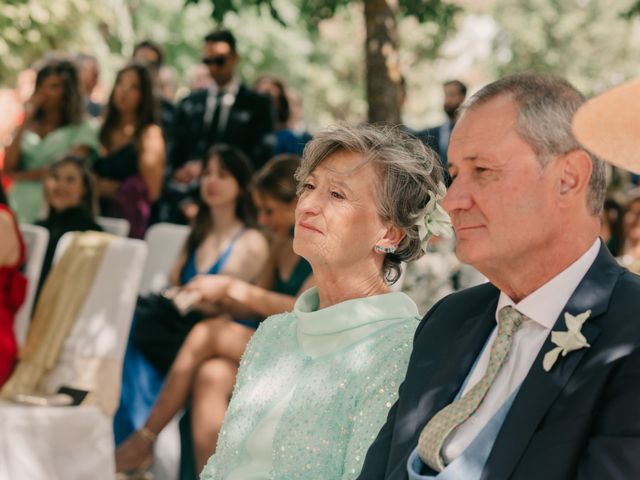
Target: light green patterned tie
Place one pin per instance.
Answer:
(453, 415)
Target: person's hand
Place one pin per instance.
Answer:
(189, 210)
(32, 106)
(107, 188)
(213, 288)
(181, 175)
(188, 172)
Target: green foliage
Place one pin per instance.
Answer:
(312, 12)
(586, 41)
(32, 28)
(222, 7)
(632, 11)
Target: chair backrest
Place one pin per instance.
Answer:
(36, 239)
(164, 241)
(117, 226)
(95, 346)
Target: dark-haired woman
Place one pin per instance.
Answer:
(221, 242)
(12, 284)
(131, 168)
(53, 126)
(68, 191)
(206, 364)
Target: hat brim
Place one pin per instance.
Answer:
(608, 125)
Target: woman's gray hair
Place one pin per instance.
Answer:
(409, 175)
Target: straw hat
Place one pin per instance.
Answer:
(609, 125)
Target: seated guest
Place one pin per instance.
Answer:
(131, 169)
(53, 125)
(221, 241)
(68, 191)
(630, 254)
(316, 383)
(533, 374)
(206, 365)
(89, 73)
(287, 139)
(12, 284)
(611, 226)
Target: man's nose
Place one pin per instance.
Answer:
(458, 197)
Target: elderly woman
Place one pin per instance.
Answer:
(315, 384)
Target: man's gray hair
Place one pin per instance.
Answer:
(409, 174)
(546, 106)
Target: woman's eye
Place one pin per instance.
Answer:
(337, 195)
(307, 186)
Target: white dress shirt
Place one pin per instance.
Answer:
(543, 307)
(230, 91)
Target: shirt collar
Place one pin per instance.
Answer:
(546, 303)
(232, 87)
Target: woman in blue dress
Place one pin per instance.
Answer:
(221, 241)
(205, 367)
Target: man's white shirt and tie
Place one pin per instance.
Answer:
(541, 309)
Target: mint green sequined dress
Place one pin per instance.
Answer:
(314, 388)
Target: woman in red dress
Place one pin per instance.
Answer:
(12, 284)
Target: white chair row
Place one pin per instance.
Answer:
(102, 329)
(36, 239)
(77, 442)
(164, 241)
(116, 226)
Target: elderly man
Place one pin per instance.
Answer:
(534, 375)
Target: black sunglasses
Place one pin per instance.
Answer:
(217, 61)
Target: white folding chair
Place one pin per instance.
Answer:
(77, 442)
(117, 226)
(164, 240)
(36, 239)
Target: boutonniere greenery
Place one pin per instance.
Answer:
(568, 341)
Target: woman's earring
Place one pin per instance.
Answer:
(390, 249)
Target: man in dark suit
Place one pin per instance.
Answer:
(227, 112)
(490, 391)
(437, 138)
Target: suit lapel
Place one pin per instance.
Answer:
(541, 388)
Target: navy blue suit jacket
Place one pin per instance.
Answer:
(579, 420)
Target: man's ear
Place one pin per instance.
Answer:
(392, 237)
(575, 172)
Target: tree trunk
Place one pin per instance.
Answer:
(383, 74)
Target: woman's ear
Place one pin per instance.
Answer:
(392, 237)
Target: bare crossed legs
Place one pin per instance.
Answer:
(205, 367)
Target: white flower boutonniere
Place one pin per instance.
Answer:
(567, 341)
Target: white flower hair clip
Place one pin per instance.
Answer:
(434, 222)
(568, 341)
